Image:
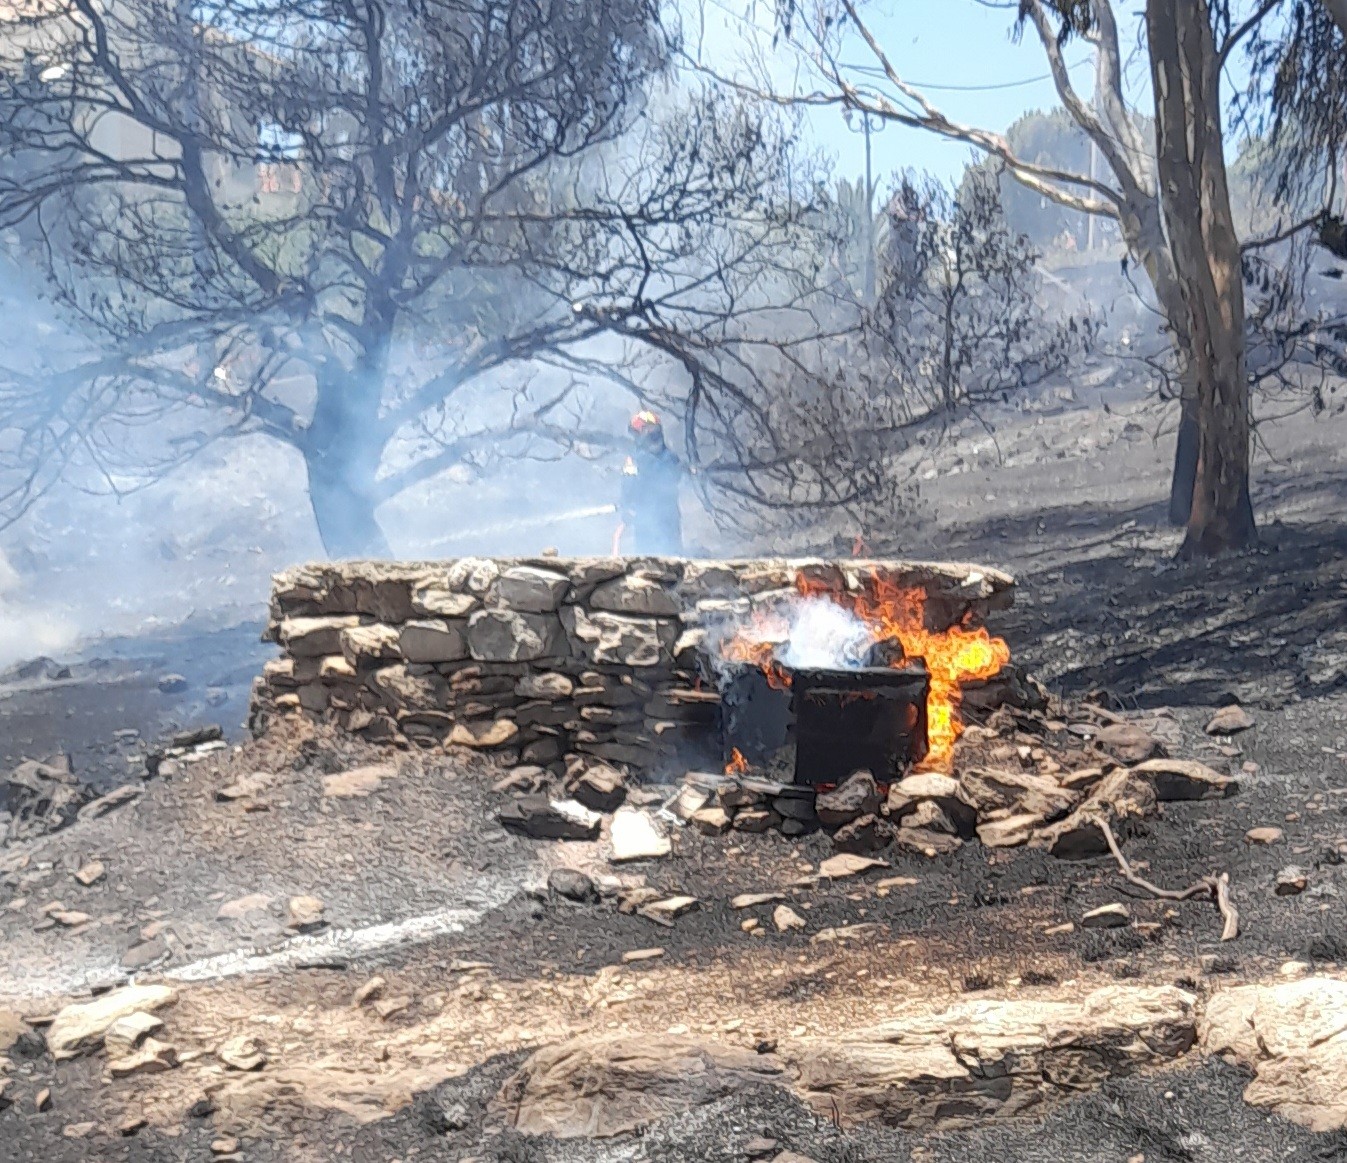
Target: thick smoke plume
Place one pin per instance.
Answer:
(798, 632)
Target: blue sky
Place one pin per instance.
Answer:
(953, 50)
(961, 53)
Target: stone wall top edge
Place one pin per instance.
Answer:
(390, 568)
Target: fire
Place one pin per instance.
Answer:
(893, 614)
(737, 765)
(758, 648)
(953, 657)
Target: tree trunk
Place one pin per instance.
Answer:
(342, 450)
(1205, 248)
(343, 507)
(1142, 226)
(1185, 454)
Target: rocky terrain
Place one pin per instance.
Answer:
(305, 942)
(314, 947)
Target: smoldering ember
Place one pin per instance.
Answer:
(623, 582)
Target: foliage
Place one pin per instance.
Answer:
(1297, 101)
(960, 318)
(395, 235)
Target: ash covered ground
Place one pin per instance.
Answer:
(498, 966)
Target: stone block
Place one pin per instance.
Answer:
(437, 600)
(473, 575)
(400, 690)
(433, 640)
(635, 595)
(363, 645)
(314, 637)
(544, 685)
(708, 579)
(512, 636)
(623, 639)
(528, 589)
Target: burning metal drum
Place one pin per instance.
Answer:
(815, 727)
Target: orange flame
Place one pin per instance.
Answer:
(737, 765)
(953, 657)
(757, 647)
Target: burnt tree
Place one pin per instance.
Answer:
(386, 234)
(957, 317)
(1133, 192)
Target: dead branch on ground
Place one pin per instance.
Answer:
(1215, 888)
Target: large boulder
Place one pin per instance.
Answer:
(598, 1087)
(947, 1069)
(1293, 1036)
(511, 636)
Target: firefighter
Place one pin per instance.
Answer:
(649, 502)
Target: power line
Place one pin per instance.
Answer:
(873, 70)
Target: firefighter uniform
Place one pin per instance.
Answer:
(649, 501)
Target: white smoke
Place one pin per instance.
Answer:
(805, 633)
(824, 636)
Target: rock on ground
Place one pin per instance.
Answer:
(607, 1086)
(1185, 779)
(1293, 1036)
(358, 782)
(1229, 721)
(953, 1068)
(536, 816)
(922, 1070)
(636, 836)
(78, 1029)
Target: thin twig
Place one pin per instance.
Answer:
(1215, 888)
(1230, 914)
(1132, 878)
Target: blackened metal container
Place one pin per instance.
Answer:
(819, 726)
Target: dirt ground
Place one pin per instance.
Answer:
(499, 967)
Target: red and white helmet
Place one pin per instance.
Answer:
(644, 423)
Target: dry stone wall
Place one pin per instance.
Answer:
(543, 659)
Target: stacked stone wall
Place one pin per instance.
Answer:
(541, 660)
